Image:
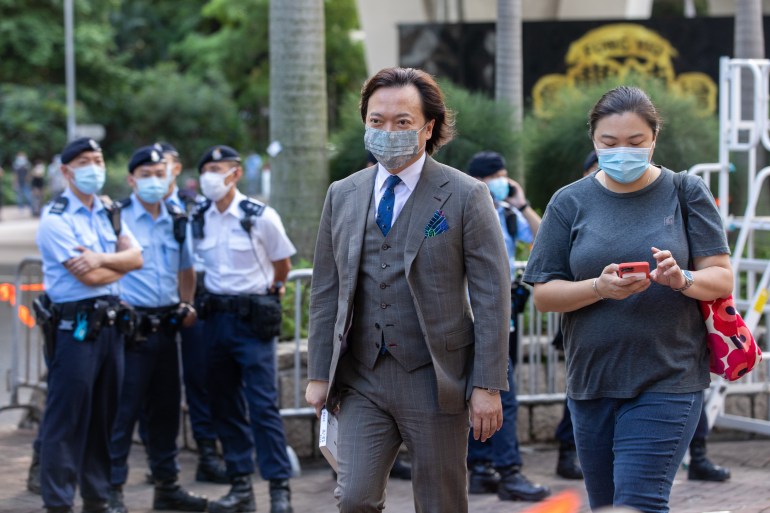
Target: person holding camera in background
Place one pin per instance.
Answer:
(495, 464)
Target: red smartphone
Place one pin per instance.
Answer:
(641, 269)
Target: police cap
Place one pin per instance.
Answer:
(217, 154)
(167, 148)
(145, 155)
(485, 163)
(78, 146)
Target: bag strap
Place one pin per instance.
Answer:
(679, 180)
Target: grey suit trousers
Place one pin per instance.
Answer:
(379, 409)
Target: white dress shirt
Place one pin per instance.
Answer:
(237, 262)
(409, 178)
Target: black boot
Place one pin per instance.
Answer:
(115, 500)
(700, 468)
(568, 466)
(169, 495)
(280, 496)
(515, 487)
(483, 478)
(239, 499)
(33, 476)
(210, 469)
(401, 470)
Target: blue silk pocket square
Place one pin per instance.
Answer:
(437, 225)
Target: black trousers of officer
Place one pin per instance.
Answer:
(84, 380)
(151, 385)
(244, 397)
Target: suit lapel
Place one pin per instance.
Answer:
(357, 201)
(429, 196)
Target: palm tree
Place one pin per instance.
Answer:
(508, 65)
(298, 117)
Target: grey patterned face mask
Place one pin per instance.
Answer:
(393, 149)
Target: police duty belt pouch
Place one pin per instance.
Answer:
(265, 316)
(732, 349)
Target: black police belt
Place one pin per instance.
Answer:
(87, 317)
(261, 311)
(166, 319)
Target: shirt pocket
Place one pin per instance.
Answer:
(241, 250)
(171, 255)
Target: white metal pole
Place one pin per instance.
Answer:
(69, 68)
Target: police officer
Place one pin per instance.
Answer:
(85, 251)
(246, 253)
(210, 469)
(495, 466)
(152, 365)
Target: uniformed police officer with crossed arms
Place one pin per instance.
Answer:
(85, 252)
(246, 254)
(151, 379)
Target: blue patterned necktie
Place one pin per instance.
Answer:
(385, 208)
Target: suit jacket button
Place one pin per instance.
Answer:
(384, 266)
(383, 306)
(377, 325)
(339, 336)
(386, 246)
(383, 285)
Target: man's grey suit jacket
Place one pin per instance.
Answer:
(466, 329)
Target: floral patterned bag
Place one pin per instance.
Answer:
(732, 349)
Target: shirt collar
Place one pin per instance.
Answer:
(77, 204)
(233, 209)
(409, 176)
(138, 210)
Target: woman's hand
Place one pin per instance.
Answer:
(667, 272)
(610, 286)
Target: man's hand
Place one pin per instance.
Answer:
(190, 318)
(315, 395)
(486, 414)
(85, 263)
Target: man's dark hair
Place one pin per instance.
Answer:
(621, 100)
(433, 106)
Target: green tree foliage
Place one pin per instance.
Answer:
(25, 114)
(554, 149)
(481, 124)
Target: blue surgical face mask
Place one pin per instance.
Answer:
(393, 149)
(624, 164)
(89, 179)
(151, 189)
(499, 188)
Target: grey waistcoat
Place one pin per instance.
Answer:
(384, 309)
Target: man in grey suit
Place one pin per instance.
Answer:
(410, 305)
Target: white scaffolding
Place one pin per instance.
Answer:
(743, 136)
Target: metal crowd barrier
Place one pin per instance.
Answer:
(27, 368)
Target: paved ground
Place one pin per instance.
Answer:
(747, 492)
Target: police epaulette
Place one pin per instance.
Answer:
(252, 207)
(59, 205)
(200, 208)
(174, 209)
(121, 204)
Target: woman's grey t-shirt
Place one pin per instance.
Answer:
(653, 341)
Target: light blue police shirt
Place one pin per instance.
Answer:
(156, 283)
(523, 233)
(59, 235)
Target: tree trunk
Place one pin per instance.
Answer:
(298, 117)
(509, 66)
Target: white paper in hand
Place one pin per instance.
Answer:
(327, 438)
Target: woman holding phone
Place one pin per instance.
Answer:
(637, 361)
